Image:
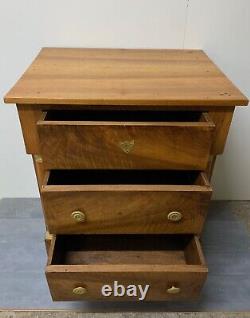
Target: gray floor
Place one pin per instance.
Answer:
(226, 242)
(74, 314)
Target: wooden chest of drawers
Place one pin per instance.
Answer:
(123, 144)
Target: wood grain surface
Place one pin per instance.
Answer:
(126, 208)
(28, 117)
(222, 122)
(82, 144)
(30, 114)
(124, 77)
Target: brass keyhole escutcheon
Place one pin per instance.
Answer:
(174, 216)
(173, 290)
(80, 290)
(78, 216)
(127, 145)
(38, 158)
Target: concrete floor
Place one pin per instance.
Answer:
(67, 314)
(226, 243)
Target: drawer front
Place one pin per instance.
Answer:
(76, 209)
(125, 145)
(124, 212)
(163, 277)
(190, 283)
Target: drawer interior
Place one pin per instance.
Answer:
(126, 177)
(127, 250)
(124, 115)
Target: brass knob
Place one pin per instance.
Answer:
(79, 290)
(173, 290)
(174, 216)
(78, 216)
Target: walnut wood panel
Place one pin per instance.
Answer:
(28, 117)
(61, 284)
(126, 208)
(150, 145)
(124, 77)
(30, 114)
(193, 252)
(188, 275)
(222, 120)
(130, 257)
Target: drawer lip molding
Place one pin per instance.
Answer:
(126, 144)
(78, 260)
(125, 208)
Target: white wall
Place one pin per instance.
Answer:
(220, 27)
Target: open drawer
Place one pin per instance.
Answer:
(125, 201)
(90, 267)
(94, 139)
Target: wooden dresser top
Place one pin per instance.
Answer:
(124, 77)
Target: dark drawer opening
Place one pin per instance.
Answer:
(126, 249)
(124, 115)
(126, 177)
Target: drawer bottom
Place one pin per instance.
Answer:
(125, 267)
